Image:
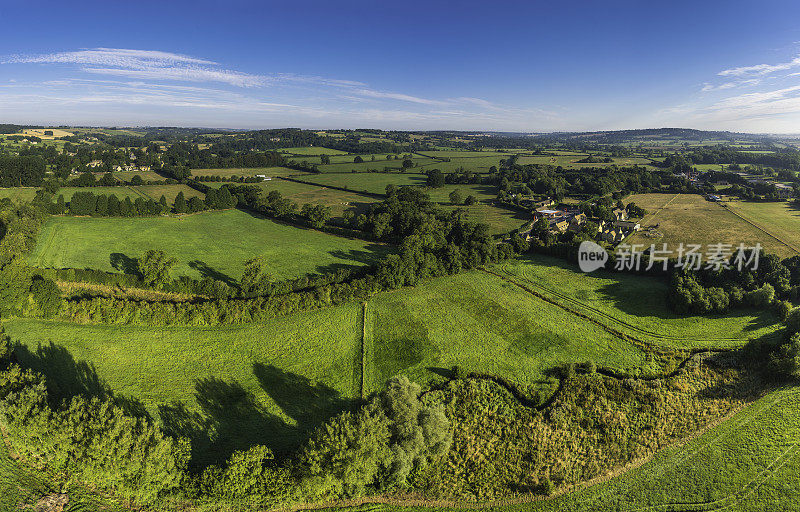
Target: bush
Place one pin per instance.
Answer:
(760, 297)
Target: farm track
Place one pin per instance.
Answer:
(607, 316)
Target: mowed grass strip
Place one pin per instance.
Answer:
(267, 383)
(203, 242)
(691, 219)
(499, 220)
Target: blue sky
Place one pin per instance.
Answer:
(516, 66)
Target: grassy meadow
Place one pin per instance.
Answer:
(227, 173)
(18, 194)
(780, 219)
(153, 192)
(203, 243)
(637, 305)
(373, 182)
(691, 219)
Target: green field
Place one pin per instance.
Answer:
(374, 182)
(691, 219)
(227, 173)
(153, 192)
(637, 305)
(206, 242)
(18, 193)
(367, 165)
(500, 220)
(781, 219)
(481, 192)
(319, 150)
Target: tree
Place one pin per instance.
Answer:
(435, 178)
(180, 203)
(358, 160)
(455, 197)
(786, 360)
(196, 204)
(255, 279)
(470, 200)
(325, 159)
(154, 267)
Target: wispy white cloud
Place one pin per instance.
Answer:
(144, 64)
(153, 85)
(761, 69)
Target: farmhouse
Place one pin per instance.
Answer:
(620, 214)
(628, 225)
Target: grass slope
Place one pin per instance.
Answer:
(221, 241)
(637, 305)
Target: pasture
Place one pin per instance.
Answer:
(779, 219)
(312, 150)
(500, 220)
(637, 305)
(374, 182)
(18, 193)
(481, 192)
(367, 165)
(301, 193)
(209, 243)
(153, 192)
(227, 173)
(691, 219)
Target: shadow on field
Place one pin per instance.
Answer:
(66, 378)
(230, 419)
(212, 273)
(124, 264)
(307, 403)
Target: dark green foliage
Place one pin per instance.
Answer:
(89, 440)
(249, 477)
(46, 296)
(378, 446)
(180, 205)
(786, 359)
(154, 268)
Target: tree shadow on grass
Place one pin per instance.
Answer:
(66, 377)
(212, 273)
(229, 419)
(306, 403)
(124, 264)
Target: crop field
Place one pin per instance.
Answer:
(480, 164)
(467, 154)
(347, 158)
(18, 193)
(227, 173)
(374, 182)
(500, 220)
(209, 243)
(781, 219)
(690, 219)
(571, 161)
(637, 305)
